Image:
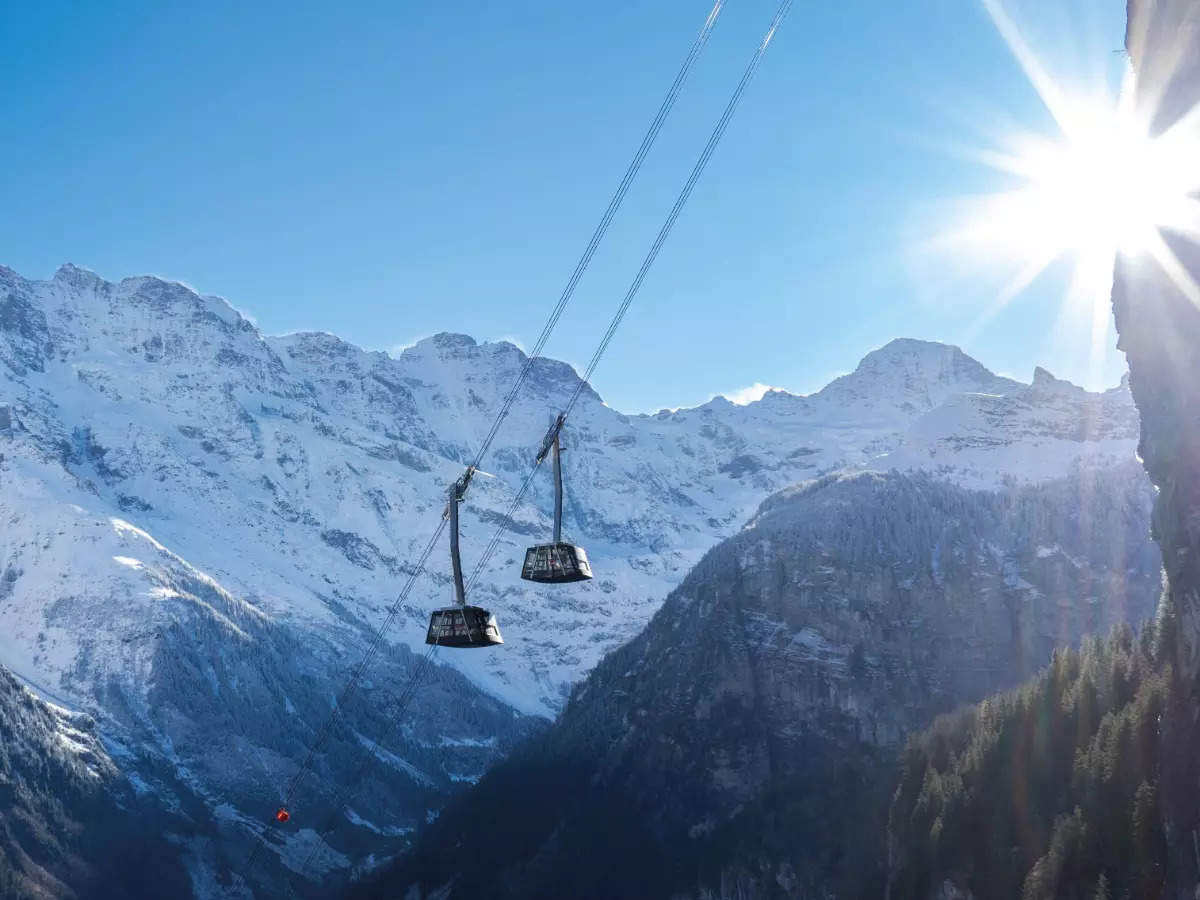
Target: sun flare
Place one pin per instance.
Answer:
(1101, 185)
(1094, 190)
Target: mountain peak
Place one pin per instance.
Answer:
(316, 344)
(502, 359)
(911, 375)
(70, 270)
(1044, 382)
(445, 345)
(449, 340)
(451, 344)
(76, 276)
(930, 353)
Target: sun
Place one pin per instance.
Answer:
(1095, 189)
(1101, 185)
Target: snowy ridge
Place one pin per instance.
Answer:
(297, 467)
(200, 526)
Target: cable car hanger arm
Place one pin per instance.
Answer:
(551, 436)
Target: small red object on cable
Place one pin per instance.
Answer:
(283, 815)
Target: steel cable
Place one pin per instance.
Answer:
(602, 228)
(403, 699)
(681, 201)
(568, 291)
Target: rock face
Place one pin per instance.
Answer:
(791, 661)
(1157, 311)
(201, 527)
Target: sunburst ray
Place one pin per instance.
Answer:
(1100, 185)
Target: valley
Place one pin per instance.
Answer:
(204, 526)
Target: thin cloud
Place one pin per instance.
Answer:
(751, 394)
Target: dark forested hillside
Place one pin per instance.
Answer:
(70, 825)
(1050, 792)
(745, 744)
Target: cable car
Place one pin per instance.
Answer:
(282, 815)
(557, 562)
(461, 625)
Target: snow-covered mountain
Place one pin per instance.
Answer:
(200, 525)
(301, 472)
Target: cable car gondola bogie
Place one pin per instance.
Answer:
(461, 626)
(557, 562)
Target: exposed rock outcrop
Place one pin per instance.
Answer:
(1157, 311)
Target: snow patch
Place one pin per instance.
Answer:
(387, 830)
(395, 761)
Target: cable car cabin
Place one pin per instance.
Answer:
(463, 626)
(558, 563)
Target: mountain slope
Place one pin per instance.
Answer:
(201, 528)
(203, 685)
(784, 671)
(70, 825)
(1050, 792)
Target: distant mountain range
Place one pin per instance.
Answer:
(200, 526)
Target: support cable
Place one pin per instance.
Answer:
(680, 202)
(602, 228)
(568, 291)
(423, 667)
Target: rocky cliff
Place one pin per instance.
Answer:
(1156, 302)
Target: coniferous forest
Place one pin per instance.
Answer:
(70, 826)
(1049, 792)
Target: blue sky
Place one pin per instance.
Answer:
(385, 171)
